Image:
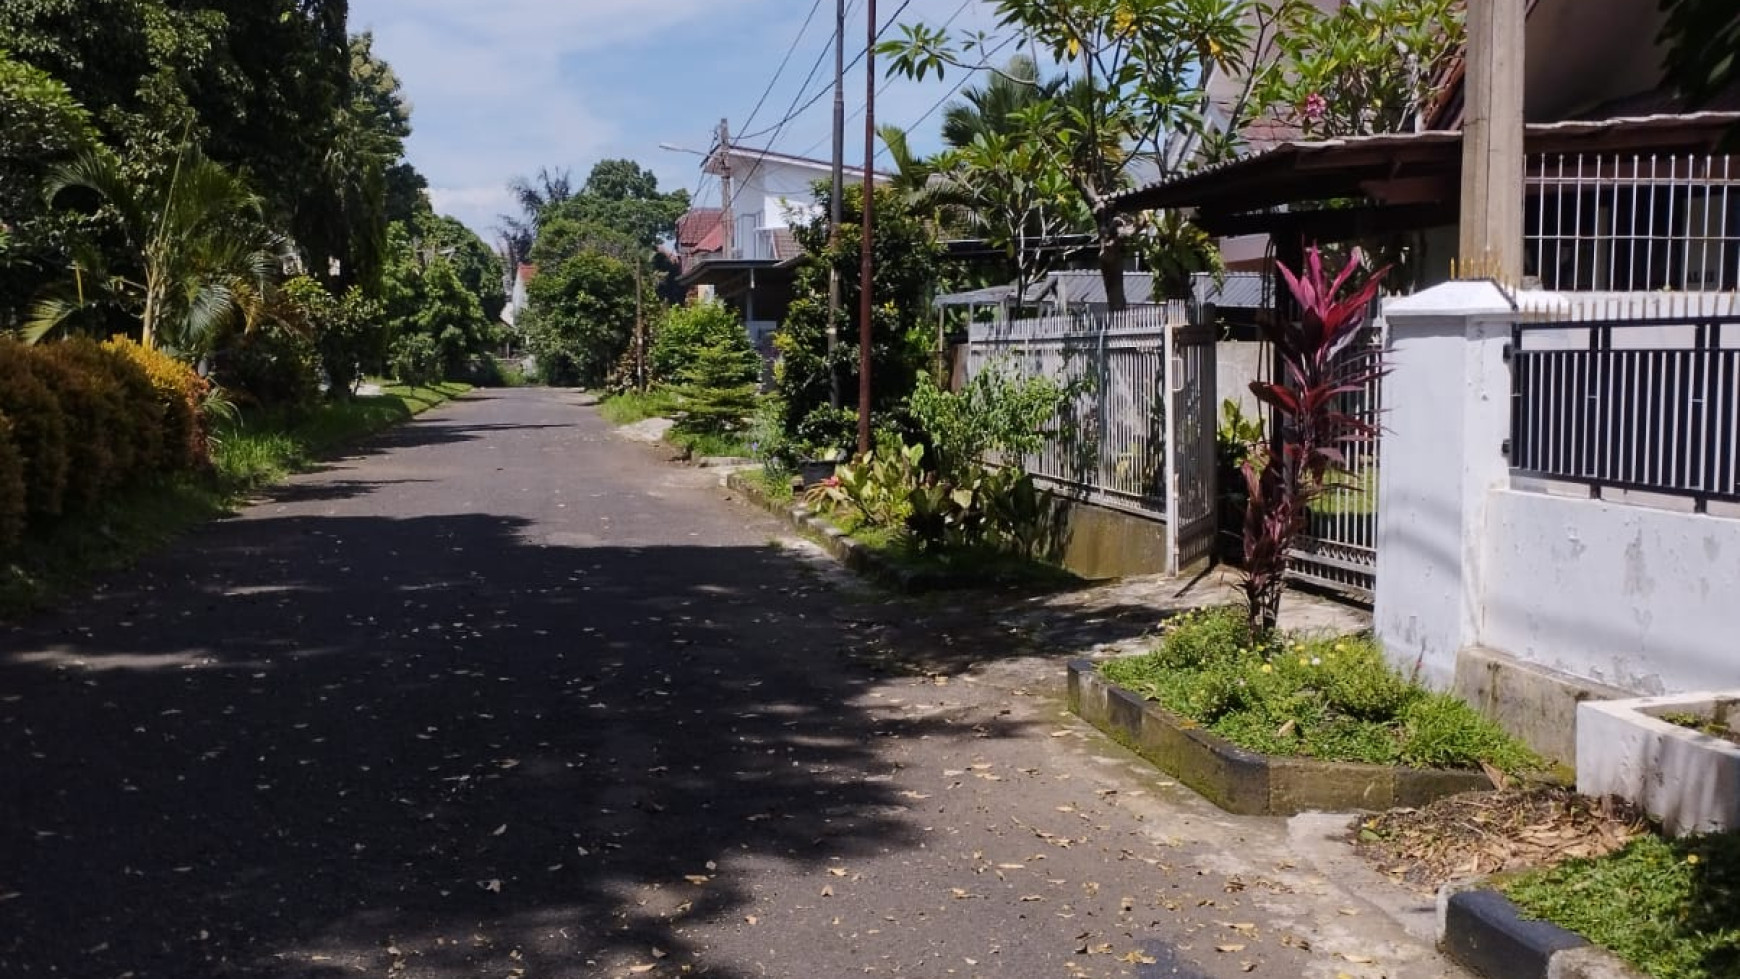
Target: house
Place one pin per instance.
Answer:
(1558, 489)
(516, 302)
(743, 251)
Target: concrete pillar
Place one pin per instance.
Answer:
(1446, 416)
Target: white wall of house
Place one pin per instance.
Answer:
(1636, 593)
(772, 193)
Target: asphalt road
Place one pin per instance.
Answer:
(505, 695)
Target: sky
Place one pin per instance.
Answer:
(500, 89)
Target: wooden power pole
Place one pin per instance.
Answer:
(835, 206)
(1492, 143)
(866, 293)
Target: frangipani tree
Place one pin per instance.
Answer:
(1138, 71)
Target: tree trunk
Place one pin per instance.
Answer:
(1112, 264)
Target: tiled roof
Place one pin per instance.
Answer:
(697, 225)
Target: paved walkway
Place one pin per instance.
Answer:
(508, 696)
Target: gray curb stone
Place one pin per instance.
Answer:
(1487, 935)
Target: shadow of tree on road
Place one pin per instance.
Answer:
(319, 746)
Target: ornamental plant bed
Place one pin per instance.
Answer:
(1290, 723)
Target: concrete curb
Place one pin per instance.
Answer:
(1242, 781)
(1488, 936)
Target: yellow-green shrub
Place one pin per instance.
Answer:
(39, 430)
(136, 414)
(90, 417)
(181, 392)
(11, 486)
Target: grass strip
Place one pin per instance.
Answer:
(1668, 907)
(1334, 698)
(62, 556)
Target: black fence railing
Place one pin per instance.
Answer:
(1650, 405)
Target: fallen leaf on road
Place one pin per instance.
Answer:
(1229, 948)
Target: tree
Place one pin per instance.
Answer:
(580, 318)
(624, 198)
(424, 294)
(518, 231)
(687, 329)
(905, 258)
(1368, 67)
(205, 259)
(1137, 81)
(717, 393)
(41, 126)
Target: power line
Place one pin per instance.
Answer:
(828, 88)
(777, 72)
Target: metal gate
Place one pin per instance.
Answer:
(1138, 432)
(1339, 548)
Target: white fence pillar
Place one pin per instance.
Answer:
(1446, 417)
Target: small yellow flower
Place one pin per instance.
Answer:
(1691, 858)
(1267, 668)
(1341, 647)
(1304, 662)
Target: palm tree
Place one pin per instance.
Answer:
(534, 198)
(205, 257)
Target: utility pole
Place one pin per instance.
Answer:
(639, 331)
(867, 301)
(1492, 143)
(835, 211)
(729, 229)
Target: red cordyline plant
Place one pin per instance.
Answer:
(1317, 368)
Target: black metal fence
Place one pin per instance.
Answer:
(1650, 405)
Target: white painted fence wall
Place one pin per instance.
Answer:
(1634, 592)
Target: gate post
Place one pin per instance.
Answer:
(1447, 401)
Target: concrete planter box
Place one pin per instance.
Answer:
(1242, 781)
(1687, 780)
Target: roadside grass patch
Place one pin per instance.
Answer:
(633, 406)
(245, 456)
(704, 444)
(1668, 907)
(958, 567)
(1332, 698)
(774, 484)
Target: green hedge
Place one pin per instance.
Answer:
(83, 419)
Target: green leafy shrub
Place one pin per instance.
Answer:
(345, 331)
(416, 359)
(39, 428)
(998, 412)
(272, 367)
(1330, 698)
(12, 505)
(685, 331)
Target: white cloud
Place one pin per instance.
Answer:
(502, 89)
